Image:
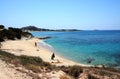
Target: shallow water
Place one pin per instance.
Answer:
(87, 47)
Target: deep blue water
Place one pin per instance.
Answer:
(99, 47)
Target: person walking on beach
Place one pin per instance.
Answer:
(35, 44)
(0, 44)
(53, 56)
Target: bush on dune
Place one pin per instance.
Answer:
(12, 34)
(37, 65)
(29, 62)
(65, 77)
(74, 71)
(2, 26)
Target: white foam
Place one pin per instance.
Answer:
(45, 45)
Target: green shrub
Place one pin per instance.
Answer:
(2, 26)
(26, 34)
(74, 71)
(30, 60)
(34, 68)
(8, 55)
(12, 34)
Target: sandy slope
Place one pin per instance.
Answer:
(7, 72)
(27, 47)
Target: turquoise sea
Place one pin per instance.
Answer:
(87, 47)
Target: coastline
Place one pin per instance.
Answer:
(27, 47)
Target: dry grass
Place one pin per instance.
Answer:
(34, 68)
(65, 77)
(37, 65)
(31, 63)
(74, 71)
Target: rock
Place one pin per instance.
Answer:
(83, 76)
(100, 66)
(46, 37)
(89, 60)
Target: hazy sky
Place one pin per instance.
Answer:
(56, 14)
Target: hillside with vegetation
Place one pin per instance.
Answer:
(34, 28)
(12, 33)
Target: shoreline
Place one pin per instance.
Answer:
(27, 47)
(58, 56)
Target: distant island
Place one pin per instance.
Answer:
(34, 28)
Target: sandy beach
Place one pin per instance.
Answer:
(27, 47)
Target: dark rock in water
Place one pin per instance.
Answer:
(89, 60)
(46, 37)
(112, 65)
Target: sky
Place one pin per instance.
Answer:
(61, 14)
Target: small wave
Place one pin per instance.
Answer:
(45, 45)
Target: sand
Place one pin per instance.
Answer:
(8, 72)
(27, 47)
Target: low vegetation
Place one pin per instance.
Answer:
(12, 33)
(26, 61)
(37, 65)
(74, 71)
(65, 77)
(2, 26)
(33, 28)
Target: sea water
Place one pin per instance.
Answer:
(86, 47)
